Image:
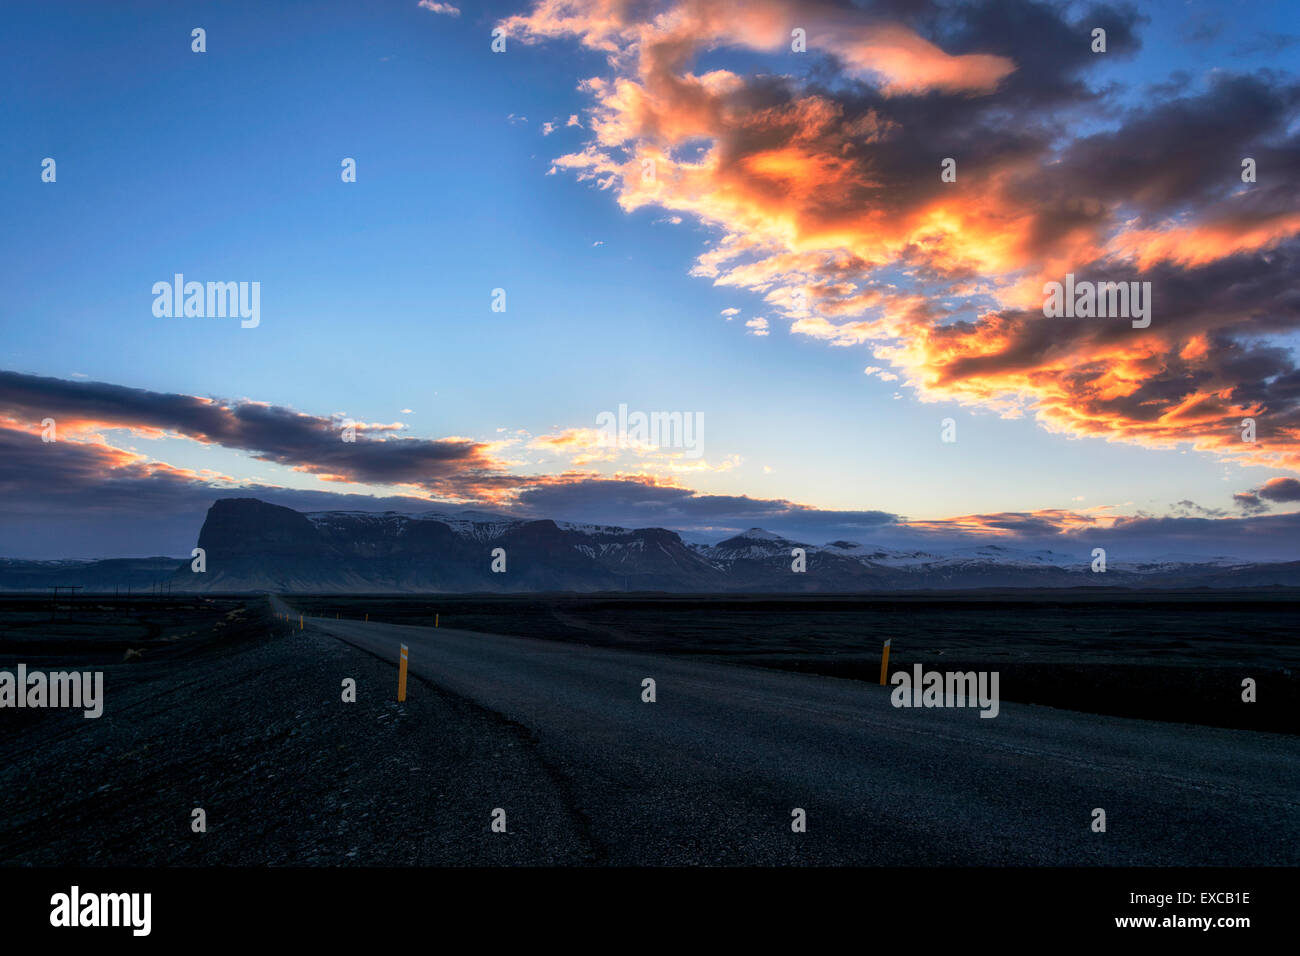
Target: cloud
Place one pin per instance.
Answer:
(1187, 508)
(823, 193)
(1266, 43)
(1279, 490)
(446, 9)
(865, 45)
(307, 443)
(757, 326)
(82, 497)
(1248, 502)
(643, 502)
(69, 499)
(451, 469)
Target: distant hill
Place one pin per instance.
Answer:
(140, 575)
(254, 546)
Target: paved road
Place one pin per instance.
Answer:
(711, 771)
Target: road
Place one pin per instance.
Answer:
(711, 771)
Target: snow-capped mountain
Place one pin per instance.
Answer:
(252, 545)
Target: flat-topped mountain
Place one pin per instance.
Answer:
(251, 545)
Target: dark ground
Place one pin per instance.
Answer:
(247, 722)
(228, 709)
(1154, 655)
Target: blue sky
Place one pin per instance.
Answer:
(375, 295)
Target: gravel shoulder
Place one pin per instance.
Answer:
(255, 732)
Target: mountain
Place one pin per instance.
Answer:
(251, 545)
(140, 575)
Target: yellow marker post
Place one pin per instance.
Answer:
(367, 617)
(300, 622)
(401, 677)
(435, 620)
(884, 664)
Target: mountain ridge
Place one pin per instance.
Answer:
(252, 545)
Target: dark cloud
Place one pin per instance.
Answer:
(1167, 156)
(1249, 502)
(1027, 524)
(1256, 500)
(1188, 508)
(1051, 52)
(845, 162)
(1201, 30)
(72, 499)
(68, 499)
(1267, 44)
(1205, 363)
(1268, 537)
(1141, 537)
(635, 503)
(268, 432)
(1281, 489)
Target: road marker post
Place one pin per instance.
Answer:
(435, 620)
(884, 664)
(401, 677)
(300, 622)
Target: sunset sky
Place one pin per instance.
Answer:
(777, 174)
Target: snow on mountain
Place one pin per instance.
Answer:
(477, 525)
(1011, 557)
(752, 545)
(1174, 561)
(757, 544)
(252, 544)
(886, 557)
(590, 528)
(758, 534)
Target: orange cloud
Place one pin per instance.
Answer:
(831, 207)
(1011, 524)
(665, 39)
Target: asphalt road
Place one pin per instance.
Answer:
(711, 771)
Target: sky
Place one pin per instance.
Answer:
(661, 207)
